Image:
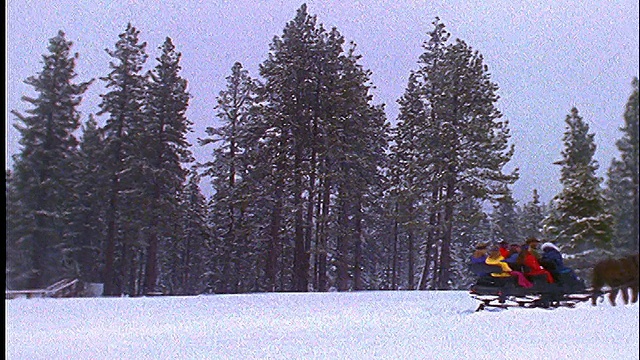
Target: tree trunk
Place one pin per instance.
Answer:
(151, 270)
(445, 256)
(432, 236)
(394, 255)
(323, 281)
(300, 259)
(342, 263)
(110, 248)
(410, 260)
(274, 239)
(357, 252)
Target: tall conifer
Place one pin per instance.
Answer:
(84, 242)
(231, 207)
(459, 140)
(532, 216)
(161, 137)
(123, 103)
(579, 220)
(42, 171)
(622, 182)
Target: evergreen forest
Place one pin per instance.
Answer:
(314, 189)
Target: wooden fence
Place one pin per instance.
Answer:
(62, 288)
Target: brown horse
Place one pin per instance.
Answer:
(619, 274)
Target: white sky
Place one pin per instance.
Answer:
(546, 56)
(361, 325)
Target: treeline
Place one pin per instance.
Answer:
(314, 190)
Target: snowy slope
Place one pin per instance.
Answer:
(362, 325)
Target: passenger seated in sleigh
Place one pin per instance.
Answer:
(530, 264)
(496, 258)
(495, 271)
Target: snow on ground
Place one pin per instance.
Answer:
(356, 325)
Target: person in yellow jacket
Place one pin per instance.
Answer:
(495, 258)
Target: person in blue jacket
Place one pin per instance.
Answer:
(480, 253)
(551, 259)
(479, 256)
(514, 252)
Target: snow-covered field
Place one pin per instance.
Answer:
(357, 325)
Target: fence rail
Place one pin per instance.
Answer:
(62, 288)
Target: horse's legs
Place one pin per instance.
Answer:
(594, 296)
(625, 295)
(612, 296)
(634, 294)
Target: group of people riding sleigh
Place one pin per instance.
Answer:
(522, 262)
(534, 275)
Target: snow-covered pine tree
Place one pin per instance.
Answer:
(17, 264)
(42, 178)
(472, 226)
(328, 103)
(504, 220)
(622, 180)
(579, 221)
(314, 129)
(408, 183)
(184, 268)
(231, 215)
(531, 217)
(163, 148)
(386, 253)
(462, 144)
(361, 153)
(124, 104)
(287, 118)
(86, 225)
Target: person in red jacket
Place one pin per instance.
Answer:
(496, 259)
(533, 243)
(504, 249)
(531, 265)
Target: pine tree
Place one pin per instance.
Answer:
(228, 171)
(472, 226)
(532, 216)
(41, 177)
(183, 269)
(84, 240)
(460, 139)
(124, 103)
(387, 254)
(579, 221)
(290, 81)
(17, 264)
(504, 219)
(361, 152)
(161, 136)
(622, 182)
(312, 130)
(407, 177)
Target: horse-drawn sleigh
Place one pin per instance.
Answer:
(613, 275)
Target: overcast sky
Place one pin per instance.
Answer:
(546, 57)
